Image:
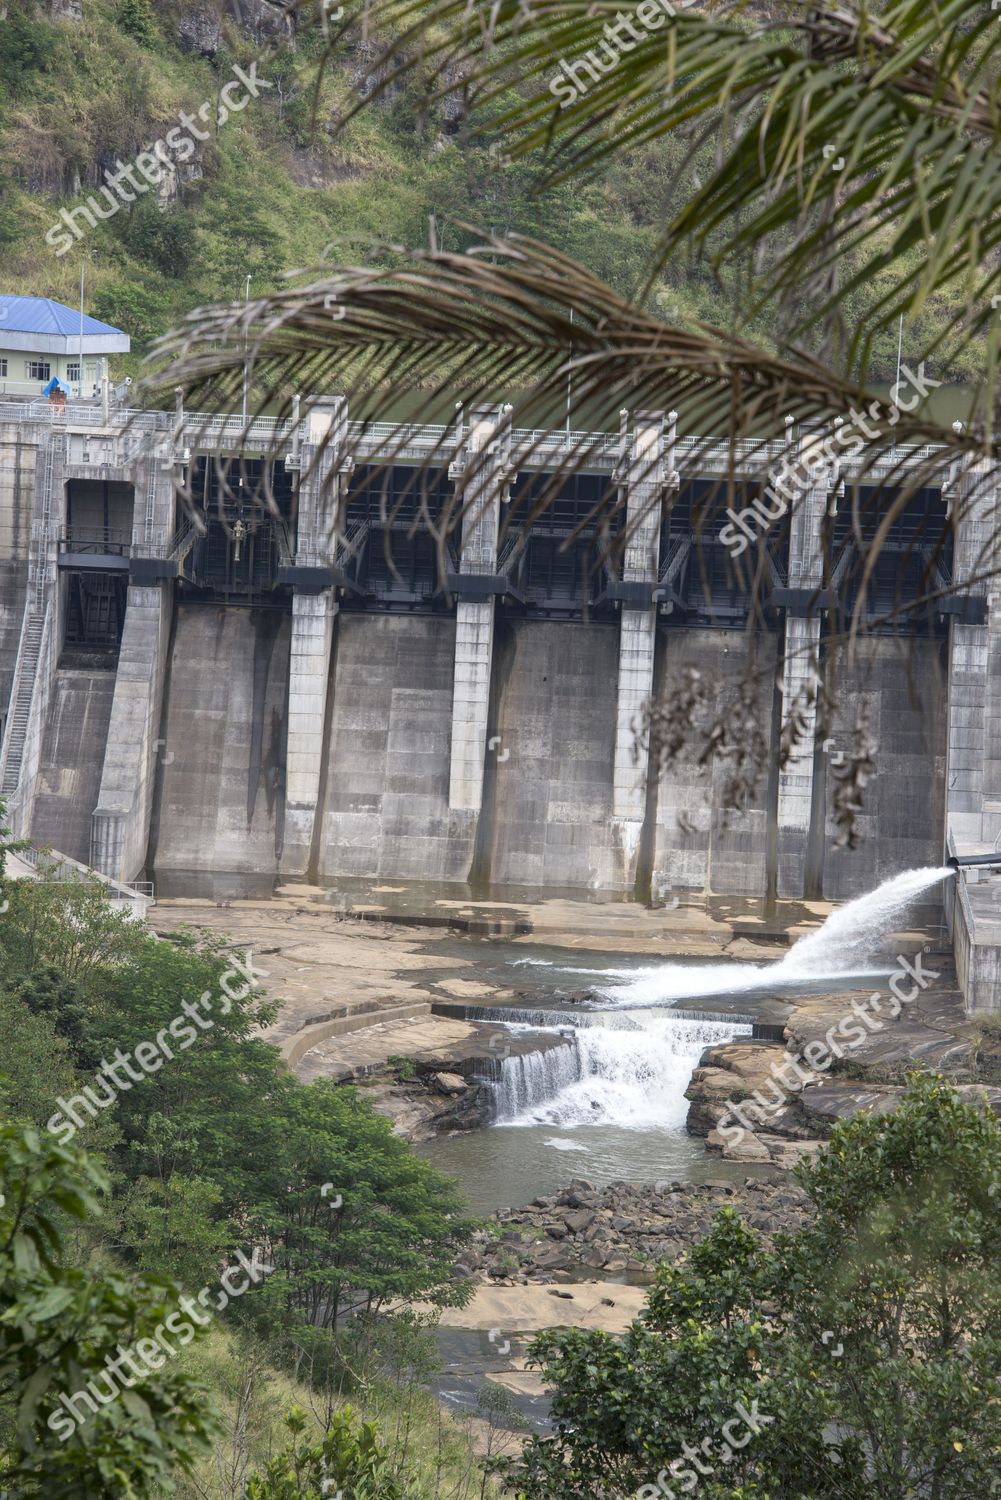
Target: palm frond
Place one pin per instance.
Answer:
(516, 316)
(843, 136)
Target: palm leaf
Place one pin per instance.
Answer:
(907, 101)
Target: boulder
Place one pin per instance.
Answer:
(449, 1083)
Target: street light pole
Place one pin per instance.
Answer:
(246, 372)
(80, 371)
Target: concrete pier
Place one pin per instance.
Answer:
(121, 817)
(637, 633)
(799, 671)
(314, 609)
(480, 495)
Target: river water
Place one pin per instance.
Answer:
(609, 1103)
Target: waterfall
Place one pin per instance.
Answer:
(610, 1075)
(842, 948)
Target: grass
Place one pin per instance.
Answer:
(253, 1398)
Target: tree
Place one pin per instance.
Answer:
(860, 1357)
(64, 924)
(161, 237)
(37, 1062)
(59, 1324)
(136, 19)
(26, 46)
(354, 1218)
(213, 1141)
(348, 1461)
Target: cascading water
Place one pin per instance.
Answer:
(853, 932)
(631, 1076)
(614, 1091)
(848, 941)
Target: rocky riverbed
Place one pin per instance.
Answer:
(622, 1230)
(799, 1107)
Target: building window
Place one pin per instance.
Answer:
(39, 369)
(73, 372)
(3, 368)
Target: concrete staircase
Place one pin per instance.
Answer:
(24, 688)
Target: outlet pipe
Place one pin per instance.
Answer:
(958, 861)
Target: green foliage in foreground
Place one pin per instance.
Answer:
(214, 1150)
(349, 1460)
(217, 1147)
(859, 1358)
(59, 1323)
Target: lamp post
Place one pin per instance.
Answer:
(80, 371)
(246, 373)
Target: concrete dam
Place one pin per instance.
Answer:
(340, 687)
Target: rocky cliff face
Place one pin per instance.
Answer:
(200, 31)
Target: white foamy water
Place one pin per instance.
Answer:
(853, 932)
(626, 1068)
(844, 947)
(634, 1078)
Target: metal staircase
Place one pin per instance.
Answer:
(24, 690)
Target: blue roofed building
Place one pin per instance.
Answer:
(42, 340)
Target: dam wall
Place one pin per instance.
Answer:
(548, 813)
(220, 800)
(121, 818)
(698, 845)
(73, 748)
(384, 808)
(346, 685)
(897, 688)
(17, 480)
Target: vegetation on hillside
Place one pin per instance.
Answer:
(277, 183)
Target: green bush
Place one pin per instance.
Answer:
(164, 238)
(26, 47)
(136, 19)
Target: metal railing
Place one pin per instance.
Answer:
(532, 447)
(106, 539)
(62, 867)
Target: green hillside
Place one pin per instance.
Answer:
(274, 184)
